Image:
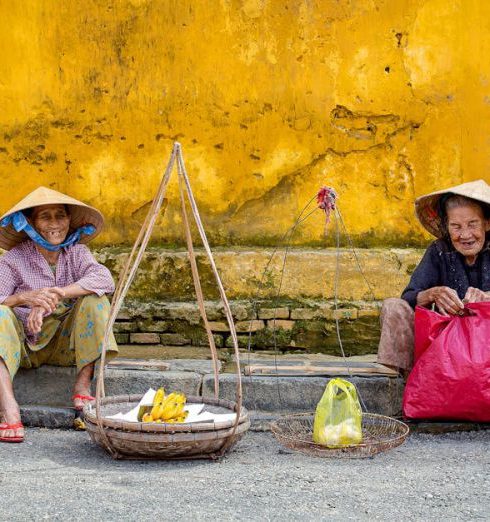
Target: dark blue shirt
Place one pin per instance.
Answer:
(442, 265)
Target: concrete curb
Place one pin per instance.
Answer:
(62, 418)
(47, 417)
(381, 395)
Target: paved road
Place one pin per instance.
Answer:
(61, 475)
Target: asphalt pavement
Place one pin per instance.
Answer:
(62, 475)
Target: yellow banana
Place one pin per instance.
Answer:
(155, 411)
(165, 407)
(157, 403)
(157, 414)
(170, 398)
(175, 397)
(168, 411)
(180, 398)
(159, 395)
(179, 418)
(174, 410)
(183, 416)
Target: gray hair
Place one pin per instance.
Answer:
(456, 201)
(450, 201)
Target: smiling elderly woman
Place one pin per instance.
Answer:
(53, 307)
(454, 270)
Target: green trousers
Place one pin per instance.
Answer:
(69, 336)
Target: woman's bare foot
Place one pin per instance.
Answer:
(11, 416)
(83, 385)
(9, 409)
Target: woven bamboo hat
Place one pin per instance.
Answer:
(427, 208)
(80, 214)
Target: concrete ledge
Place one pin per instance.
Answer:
(120, 382)
(52, 385)
(46, 417)
(301, 394)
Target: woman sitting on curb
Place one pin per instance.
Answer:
(454, 270)
(53, 307)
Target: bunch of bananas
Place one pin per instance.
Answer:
(165, 408)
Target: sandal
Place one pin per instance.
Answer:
(87, 398)
(16, 426)
(78, 422)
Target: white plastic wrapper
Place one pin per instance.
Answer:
(195, 411)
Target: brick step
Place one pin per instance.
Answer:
(306, 325)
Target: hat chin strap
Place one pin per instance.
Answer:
(20, 224)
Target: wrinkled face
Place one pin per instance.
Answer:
(52, 222)
(467, 226)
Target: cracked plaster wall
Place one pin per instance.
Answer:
(271, 99)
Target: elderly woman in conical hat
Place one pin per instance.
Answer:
(454, 270)
(53, 304)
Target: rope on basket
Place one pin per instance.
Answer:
(128, 275)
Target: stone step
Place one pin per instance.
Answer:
(381, 395)
(51, 386)
(309, 272)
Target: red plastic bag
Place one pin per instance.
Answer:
(451, 375)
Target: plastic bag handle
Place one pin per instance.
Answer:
(348, 388)
(343, 385)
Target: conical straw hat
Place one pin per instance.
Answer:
(80, 214)
(427, 207)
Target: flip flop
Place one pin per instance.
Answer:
(78, 422)
(16, 426)
(87, 398)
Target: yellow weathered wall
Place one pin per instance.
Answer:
(384, 100)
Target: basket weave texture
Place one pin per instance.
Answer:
(165, 441)
(380, 433)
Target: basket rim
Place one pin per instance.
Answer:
(396, 440)
(172, 437)
(153, 427)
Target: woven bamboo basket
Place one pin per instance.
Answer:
(137, 440)
(167, 441)
(379, 433)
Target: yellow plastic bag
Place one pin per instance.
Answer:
(338, 416)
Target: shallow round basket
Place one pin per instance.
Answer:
(164, 441)
(379, 433)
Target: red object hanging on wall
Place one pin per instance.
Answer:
(326, 198)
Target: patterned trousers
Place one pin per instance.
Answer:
(71, 335)
(396, 344)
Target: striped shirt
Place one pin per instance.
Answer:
(23, 269)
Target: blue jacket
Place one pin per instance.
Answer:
(442, 265)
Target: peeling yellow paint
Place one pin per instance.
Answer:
(270, 100)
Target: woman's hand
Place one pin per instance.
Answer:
(46, 298)
(475, 295)
(35, 320)
(446, 299)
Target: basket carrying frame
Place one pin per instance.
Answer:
(127, 276)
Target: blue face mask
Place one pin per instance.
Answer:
(20, 224)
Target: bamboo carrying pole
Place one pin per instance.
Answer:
(128, 275)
